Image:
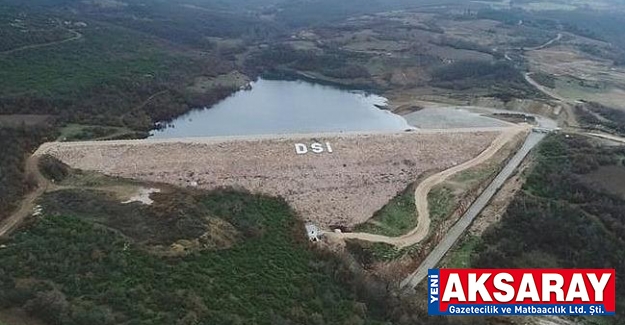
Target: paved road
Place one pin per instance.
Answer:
(480, 203)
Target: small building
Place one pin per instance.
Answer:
(313, 232)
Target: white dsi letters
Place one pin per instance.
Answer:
(302, 149)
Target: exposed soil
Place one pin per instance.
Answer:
(345, 187)
(423, 189)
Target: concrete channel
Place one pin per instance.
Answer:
(467, 218)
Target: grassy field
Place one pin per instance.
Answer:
(395, 215)
(399, 215)
(572, 88)
(441, 202)
(474, 174)
(394, 219)
(369, 254)
(460, 256)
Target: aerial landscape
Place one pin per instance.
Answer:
(303, 161)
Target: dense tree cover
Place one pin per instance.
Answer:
(17, 144)
(515, 117)
(544, 79)
(82, 273)
(173, 216)
(52, 168)
(611, 119)
(332, 62)
(189, 24)
(81, 263)
(14, 38)
(560, 221)
(19, 29)
(106, 78)
(500, 78)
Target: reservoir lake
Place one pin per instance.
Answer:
(282, 107)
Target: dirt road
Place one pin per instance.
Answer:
(548, 43)
(423, 189)
(543, 89)
(28, 203)
(565, 104)
(480, 203)
(607, 137)
(76, 36)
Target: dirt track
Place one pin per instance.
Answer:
(543, 89)
(76, 36)
(607, 136)
(342, 188)
(28, 203)
(421, 193)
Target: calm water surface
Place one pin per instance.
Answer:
(278, 107)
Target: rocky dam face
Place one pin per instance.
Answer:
(329, 179)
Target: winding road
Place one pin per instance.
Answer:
(28, 203)
(422, 229)
(76, 36)
(548, 43)
(543, 89)
(467, 218)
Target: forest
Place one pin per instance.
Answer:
(17, 144)
(107, 79)
(18, 30)
(596, 116)
(501, 79)
(88, 264)
(544, 79)
(560, 220)
(334, 63)
(91, 260)
(269, 276)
